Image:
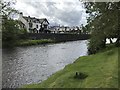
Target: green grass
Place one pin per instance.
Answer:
(101, 68)
(33, 42)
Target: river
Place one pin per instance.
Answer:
(33, 64)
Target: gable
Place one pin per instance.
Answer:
(36, 20)
(45, 22)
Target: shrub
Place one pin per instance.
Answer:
(80, 75)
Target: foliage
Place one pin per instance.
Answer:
(11, 29)
(9, 32)
(103, 23)
(6, 9)
(86, 29)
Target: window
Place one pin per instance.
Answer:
(45, 26)
(30, 25)
(36, 26)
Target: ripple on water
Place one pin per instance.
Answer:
(26, 65)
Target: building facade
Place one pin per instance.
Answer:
(34, 25)
(65, 29)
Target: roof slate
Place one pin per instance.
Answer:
(33, 19)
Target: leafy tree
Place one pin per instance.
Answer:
(11, 29)
(9, 32)
(6, 9)
(103, 23)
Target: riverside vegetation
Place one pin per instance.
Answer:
(33, 42)
(101, 70)
(101, 67)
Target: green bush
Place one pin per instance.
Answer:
(96, 42)
(11, 32)
(80, 75)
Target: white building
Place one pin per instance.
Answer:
(65, 29)
(34, 25)
(54, 29)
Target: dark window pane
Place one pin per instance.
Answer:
(36, 26)
(30, 24)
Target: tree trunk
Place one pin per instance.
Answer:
(117, 43)
(110, 40)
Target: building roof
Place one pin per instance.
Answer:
(33, 19)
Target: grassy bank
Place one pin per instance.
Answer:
(101, 68)
(33, 42)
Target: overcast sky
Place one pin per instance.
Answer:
(63, 12)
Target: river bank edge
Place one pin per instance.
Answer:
(101, 70)
(30, 42)
(33, 42)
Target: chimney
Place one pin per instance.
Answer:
(20, 14)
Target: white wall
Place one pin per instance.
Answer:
(45, 22)
(24, 21)
(35, 24)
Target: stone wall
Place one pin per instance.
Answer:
(58, 37)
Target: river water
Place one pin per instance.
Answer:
(33, 64)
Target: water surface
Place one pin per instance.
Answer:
(33, 64)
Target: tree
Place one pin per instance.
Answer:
(9, 32)
(10, 28)
(6, 9)
(103, 22)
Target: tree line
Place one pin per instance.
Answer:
(103, 22)
(11, 29)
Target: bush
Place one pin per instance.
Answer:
(10, 32)
(96, 42)
(80, 75)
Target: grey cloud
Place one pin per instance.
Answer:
(69, 15)
(70, 18)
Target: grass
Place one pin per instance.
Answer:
(101, 68)
(33, 42)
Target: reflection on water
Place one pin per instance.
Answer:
(33, 64)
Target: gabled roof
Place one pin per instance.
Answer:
(33, 19)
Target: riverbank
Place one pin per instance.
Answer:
(37, 42)
(33, 42)
(37, 62)
(101, 70)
